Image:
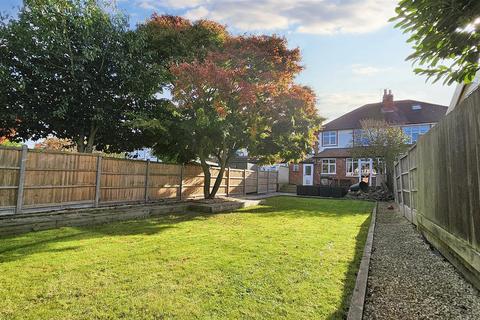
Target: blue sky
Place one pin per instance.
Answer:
(350, 52)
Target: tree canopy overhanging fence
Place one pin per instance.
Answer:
(33, 180)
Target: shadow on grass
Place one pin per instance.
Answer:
(17, 247)
(351, 275)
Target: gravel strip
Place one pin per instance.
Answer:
(408, 280)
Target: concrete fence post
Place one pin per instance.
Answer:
(98, 180)
(268, 181)
(147, 172)
(258, 179)
(21, 179)
(182, 169)
(244, 181)
(276, 181)
(228, 182)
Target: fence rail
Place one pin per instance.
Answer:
(37, 180)
(405, 184)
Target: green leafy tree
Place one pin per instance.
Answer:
(72, 69)
(445, 36)
(173, 39)
(239, 96)
(382, 142)
(8, 143)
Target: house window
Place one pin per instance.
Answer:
(308, 170)
(329, 166)
(295, 168)
(352, 167)
(329, 138)
(360, 138)
(413, 132)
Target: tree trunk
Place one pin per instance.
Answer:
(91, 139)
(80, 145)
(218, 181)
(88, 147)
(206, 178)
(390, 175)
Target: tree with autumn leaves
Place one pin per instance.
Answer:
(90, 79)
(238, 94)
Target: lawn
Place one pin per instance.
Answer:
(293, 258)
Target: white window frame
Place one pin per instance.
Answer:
(296, 167)
(352, 163)
(331, 163)
(328, 135)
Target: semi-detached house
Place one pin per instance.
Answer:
(333, 161)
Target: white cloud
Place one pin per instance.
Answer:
(147, 5)
(363, 70)
(175, 4)
(305, 16)
(333, 105)
(197, 13)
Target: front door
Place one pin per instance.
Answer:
(308, 174)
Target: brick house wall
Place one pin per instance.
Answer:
(340, 170)
(295, 177)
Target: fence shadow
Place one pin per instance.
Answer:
(17, 247)
(351, 274)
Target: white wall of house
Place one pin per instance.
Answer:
(344, 139)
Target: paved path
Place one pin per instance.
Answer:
(407, 280)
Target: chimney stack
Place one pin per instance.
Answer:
(387, 102)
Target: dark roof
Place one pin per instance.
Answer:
(403, 114)
(335, 153)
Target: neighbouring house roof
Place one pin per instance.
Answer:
(399, 112)
(335, 153)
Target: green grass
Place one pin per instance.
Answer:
(293, 258)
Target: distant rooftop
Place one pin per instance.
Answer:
(399, 112)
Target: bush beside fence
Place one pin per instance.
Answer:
(35, 180)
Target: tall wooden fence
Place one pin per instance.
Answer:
(33, 181)
(438, 186)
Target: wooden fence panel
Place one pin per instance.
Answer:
(122, 180)
(9, 174)
(163, 181)
(192, 182)
(59, 179)
(443, 186)
(262, 182)
(251, 181)
(272, 181)
(405, 178)
(235, 185)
